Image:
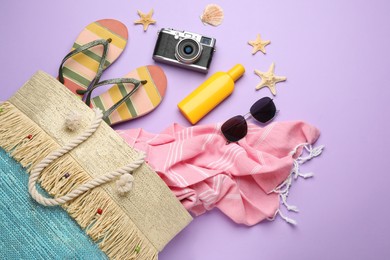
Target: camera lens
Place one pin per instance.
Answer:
(188, 50)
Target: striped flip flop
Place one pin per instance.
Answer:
(95, 49)
(123, 102)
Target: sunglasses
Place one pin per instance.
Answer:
(236, 128)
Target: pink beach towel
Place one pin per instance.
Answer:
(245, 180)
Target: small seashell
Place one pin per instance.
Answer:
(212, 14)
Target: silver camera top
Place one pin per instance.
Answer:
(178, 35)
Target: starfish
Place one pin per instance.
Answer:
(146, 19)
(259, 45)
(268, 79)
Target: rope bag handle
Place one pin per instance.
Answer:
(124, 184)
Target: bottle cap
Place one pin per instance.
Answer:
(236, 72)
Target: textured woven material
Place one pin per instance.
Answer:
(137, 225)
(238, 178)
(30, 231)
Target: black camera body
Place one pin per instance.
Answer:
(184, 49)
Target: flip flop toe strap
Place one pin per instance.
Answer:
(137, 83)
(83, 48)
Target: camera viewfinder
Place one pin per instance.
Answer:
(205, 40)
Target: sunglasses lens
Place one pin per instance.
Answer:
(235, 128)
(263, 110)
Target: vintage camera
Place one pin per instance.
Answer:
(184, 49)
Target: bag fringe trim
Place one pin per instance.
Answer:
(101, 218)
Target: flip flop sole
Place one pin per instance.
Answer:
(81, 69)
(142, 102)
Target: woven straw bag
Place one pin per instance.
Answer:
(133, 226)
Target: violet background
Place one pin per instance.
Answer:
(336, 58)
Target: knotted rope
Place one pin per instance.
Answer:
(122, 172)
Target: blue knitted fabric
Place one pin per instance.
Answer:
(29, 230)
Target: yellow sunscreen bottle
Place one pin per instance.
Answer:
(209, 94)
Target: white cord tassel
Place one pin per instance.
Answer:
(313, 152)
(306, 175)
(289, 207)
(73, 120)
(284, 188)
(288, 220)
(83, 187)
(125, 183)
